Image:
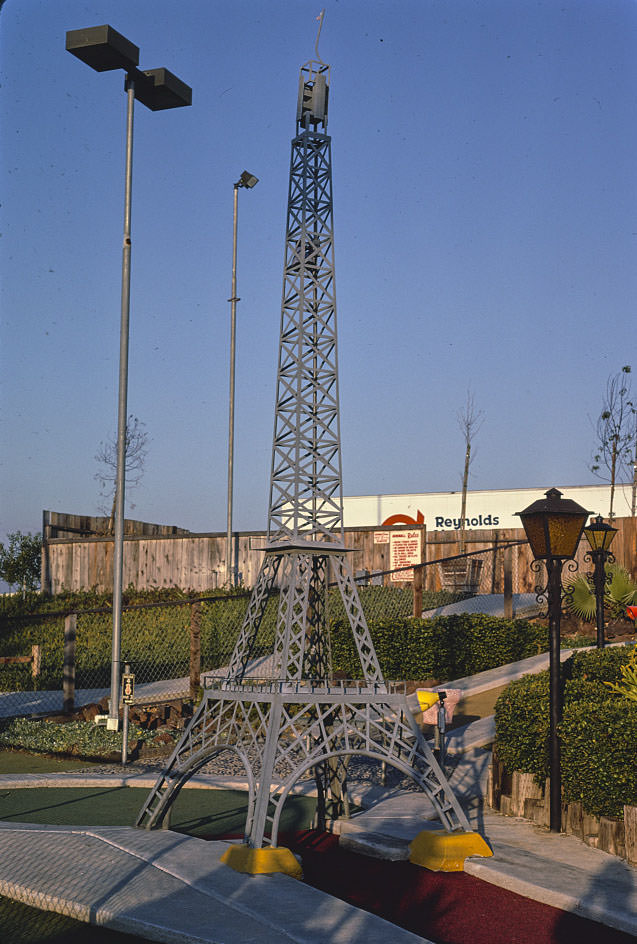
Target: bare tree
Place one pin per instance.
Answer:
(136, 446)
(469, 420)
(616, 431)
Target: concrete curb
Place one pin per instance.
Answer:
(170, 887)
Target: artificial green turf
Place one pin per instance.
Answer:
(196, 812)
(18, 762)
(21, 924)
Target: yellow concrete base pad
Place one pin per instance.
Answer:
(446, 852)
(262, 861)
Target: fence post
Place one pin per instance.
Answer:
(507, 571)
(418, 578)
(195, 649)
(419, 574)
(36, 661)
(68, 671)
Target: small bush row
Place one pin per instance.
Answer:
(73, 737)
(444, 647)
(598, 733)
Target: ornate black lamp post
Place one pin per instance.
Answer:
(554, 526)
(600, 537)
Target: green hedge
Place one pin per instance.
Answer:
(445, 647)
(155, 639)
(522, 725)
(599, 755)
(597, 664)
(598, 733)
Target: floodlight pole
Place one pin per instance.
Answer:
(104, 49)
(120, 481)
(248, 181)
(230, 569)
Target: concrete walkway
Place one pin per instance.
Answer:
(173, 888)
(525, 605)
(555, 869)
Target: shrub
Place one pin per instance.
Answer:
(628, 684)
(82, 738)
(155, 639)
(598, 732)
(522, 725)
(598, 755)
(602, 665)
(445, 647)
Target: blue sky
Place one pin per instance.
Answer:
(484, 162)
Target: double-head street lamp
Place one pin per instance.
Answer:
(104, 49)
(248, 181)
(553, 527)
(600, 537)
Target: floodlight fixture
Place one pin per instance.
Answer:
(103, 48)
(162, 90)
(247, 180)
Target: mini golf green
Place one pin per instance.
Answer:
(196, 812)
(22, 762)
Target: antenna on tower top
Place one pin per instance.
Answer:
(311, 110)
(320, 18)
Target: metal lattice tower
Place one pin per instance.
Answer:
(300, 720)
(306, 500)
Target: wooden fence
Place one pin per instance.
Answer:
(197, 561)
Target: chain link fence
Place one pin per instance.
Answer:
(61, 661)
(476, 582)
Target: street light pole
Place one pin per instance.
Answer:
(122, 401)
(104, 49)
(246, 180)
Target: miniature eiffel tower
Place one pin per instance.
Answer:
(300, 720)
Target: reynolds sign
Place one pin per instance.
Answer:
(485, 510)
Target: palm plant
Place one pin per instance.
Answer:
(628, 684)
(620, 592)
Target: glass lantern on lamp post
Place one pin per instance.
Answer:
(553, 527)
(600, 537)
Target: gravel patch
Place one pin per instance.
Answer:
(360, 770)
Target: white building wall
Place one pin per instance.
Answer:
(495, 508)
